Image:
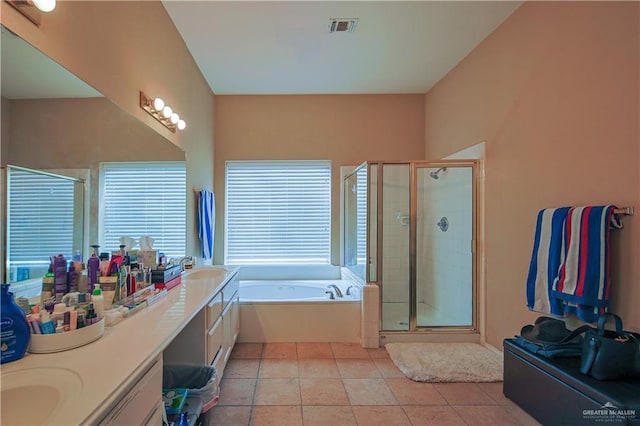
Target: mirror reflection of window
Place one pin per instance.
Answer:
(144, 199)
(45, 215)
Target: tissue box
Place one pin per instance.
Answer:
(165, 275)
(148, 258)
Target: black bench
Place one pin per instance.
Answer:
(554, 392)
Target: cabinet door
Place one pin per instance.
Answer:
(214, 340)
(235, 318)
(214, 307)
(230, 323)
(138, 404)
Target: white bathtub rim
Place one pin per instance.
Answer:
(341, 284)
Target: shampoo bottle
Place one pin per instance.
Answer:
(93, 266)
(72, 278)
(14, 328)
(59, 267)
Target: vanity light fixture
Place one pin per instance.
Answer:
(162, 112)
(31, 8)
(45, 5)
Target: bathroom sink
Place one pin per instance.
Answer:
(206, 272)
(33, 396)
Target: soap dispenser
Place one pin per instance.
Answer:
(14, 327)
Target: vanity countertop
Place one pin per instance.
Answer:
(110, 365)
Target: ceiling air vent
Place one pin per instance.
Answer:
(342, 25)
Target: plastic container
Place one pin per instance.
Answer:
(58, 342)
(201, 380)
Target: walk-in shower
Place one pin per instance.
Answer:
(410, 227)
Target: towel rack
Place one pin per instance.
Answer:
(624, 210)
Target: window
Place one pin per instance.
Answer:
(278, 212)
(139, 199)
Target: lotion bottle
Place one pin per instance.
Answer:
(98, 302)
(14, 328)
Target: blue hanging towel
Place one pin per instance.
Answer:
(206, 222)
(548, 246)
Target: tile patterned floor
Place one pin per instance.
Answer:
(334, 384)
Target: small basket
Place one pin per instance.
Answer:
(58, 342)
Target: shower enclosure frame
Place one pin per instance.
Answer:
(373, 275)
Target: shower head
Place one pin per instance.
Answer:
(435, 174)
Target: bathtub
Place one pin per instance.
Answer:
(292, 291)
(297, 311)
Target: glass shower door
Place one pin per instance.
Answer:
(395, 289)
(444, 246)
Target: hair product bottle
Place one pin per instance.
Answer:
(59, 267)
(93, 266)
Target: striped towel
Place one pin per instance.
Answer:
(206, 222)
(545, 261)
(583, 281)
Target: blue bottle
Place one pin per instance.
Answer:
(14, 327)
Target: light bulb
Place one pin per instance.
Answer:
(181, 124)
(174, 118)
(45, 5)
(158, 104)
(167, 111)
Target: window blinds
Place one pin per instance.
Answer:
(41, 209)
(140, 199)
(278, 212)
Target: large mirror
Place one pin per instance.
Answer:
(54, 122)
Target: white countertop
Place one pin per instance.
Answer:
(109, 365)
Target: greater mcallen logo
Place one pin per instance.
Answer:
(608, 412)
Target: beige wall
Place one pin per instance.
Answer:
(4, 131)
(79, 134)
(120, 48)
(346, 129)
(554, 92)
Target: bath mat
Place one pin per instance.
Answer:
(446, 362)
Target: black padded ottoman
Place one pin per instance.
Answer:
(554, 392)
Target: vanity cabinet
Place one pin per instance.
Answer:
(209, 337)
(142, 403)
(223, 333)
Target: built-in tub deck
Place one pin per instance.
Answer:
(299, 311)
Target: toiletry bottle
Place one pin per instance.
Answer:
(123, 279)
(47, 325)
(72, 278)
(91, 317)
(14, 328)
(93, 266)
(59, 267)
(83, 279)
(98, 301)
(104, 264)
(47, 285)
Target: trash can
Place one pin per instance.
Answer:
(200, 381)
